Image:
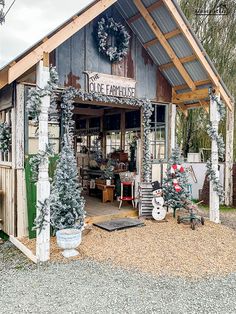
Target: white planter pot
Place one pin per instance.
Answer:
(69, 240)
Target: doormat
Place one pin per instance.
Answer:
(119, 224)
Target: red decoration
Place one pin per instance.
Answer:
(175, 168)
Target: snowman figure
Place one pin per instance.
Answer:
(158, 212)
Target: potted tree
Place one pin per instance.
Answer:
(66, 202)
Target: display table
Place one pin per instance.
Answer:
(107, 192)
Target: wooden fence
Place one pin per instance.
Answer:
(8, 198)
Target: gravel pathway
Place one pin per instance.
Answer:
(91, 287)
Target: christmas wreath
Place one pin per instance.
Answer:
(106, 30)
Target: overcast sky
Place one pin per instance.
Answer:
(28, 21)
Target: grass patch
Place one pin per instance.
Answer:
(222, 208)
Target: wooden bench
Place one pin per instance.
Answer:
(107, 192)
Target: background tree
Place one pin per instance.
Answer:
(217, 34)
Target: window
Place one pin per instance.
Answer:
(81, 144)
(129, 135)
(158, 133)
(5, 116)
(112, 122)
(132, 119)
(112, 142)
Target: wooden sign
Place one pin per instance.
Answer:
(111, 85)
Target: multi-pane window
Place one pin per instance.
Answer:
(129, 136)
(158, 133)
(113, 141)
(5, 117)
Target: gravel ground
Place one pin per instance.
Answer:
(86, 286)
(161, 249)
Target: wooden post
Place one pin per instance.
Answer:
(229, 157)
(214, 197)
(43, 185)
(122, 129)
(22, 218)
(171, 128)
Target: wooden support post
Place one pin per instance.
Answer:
(214, 197)
(43, 185)
(229, 157)
(22, 217)
(171, 128)
(122, 129)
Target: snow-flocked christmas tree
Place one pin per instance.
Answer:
(66, 202)
(175, 184)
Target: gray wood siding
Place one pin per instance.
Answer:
(79, 54)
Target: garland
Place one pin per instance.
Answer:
(211, 131)
(39, 158)
(68, 98)
(5, 137)
(108, 27)
(40, 221)
(34, 100)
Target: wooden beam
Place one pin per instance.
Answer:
(173, 33)
(152, 24)
(23, 249)
(169, 35)
(182, 60)
(96, 103)
(191, 40)
(46, 59)
(3, 77)
(193, 95)
(57, 39)
(183, 109)
(151, 8)
(205, 105)
(197, 83)
(89, 112)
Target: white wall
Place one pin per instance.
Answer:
(199, 170)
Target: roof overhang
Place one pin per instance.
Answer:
(163, 31)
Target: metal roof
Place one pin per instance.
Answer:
(167, 24)
(193, 63)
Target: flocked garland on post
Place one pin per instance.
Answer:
(5, 137)
(217, 186)
(34, 100)
(70, 93)
(33, 107)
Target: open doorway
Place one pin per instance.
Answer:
(106, 140)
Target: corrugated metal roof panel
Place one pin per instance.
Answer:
(180, 46)
(163, 19)
(159, 54)
(181, 91)
(147, 3)
(174, 76)
(195, 70)
(143, 31)
(127, 8)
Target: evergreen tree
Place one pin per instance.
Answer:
(175, 189)
(66, 202)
